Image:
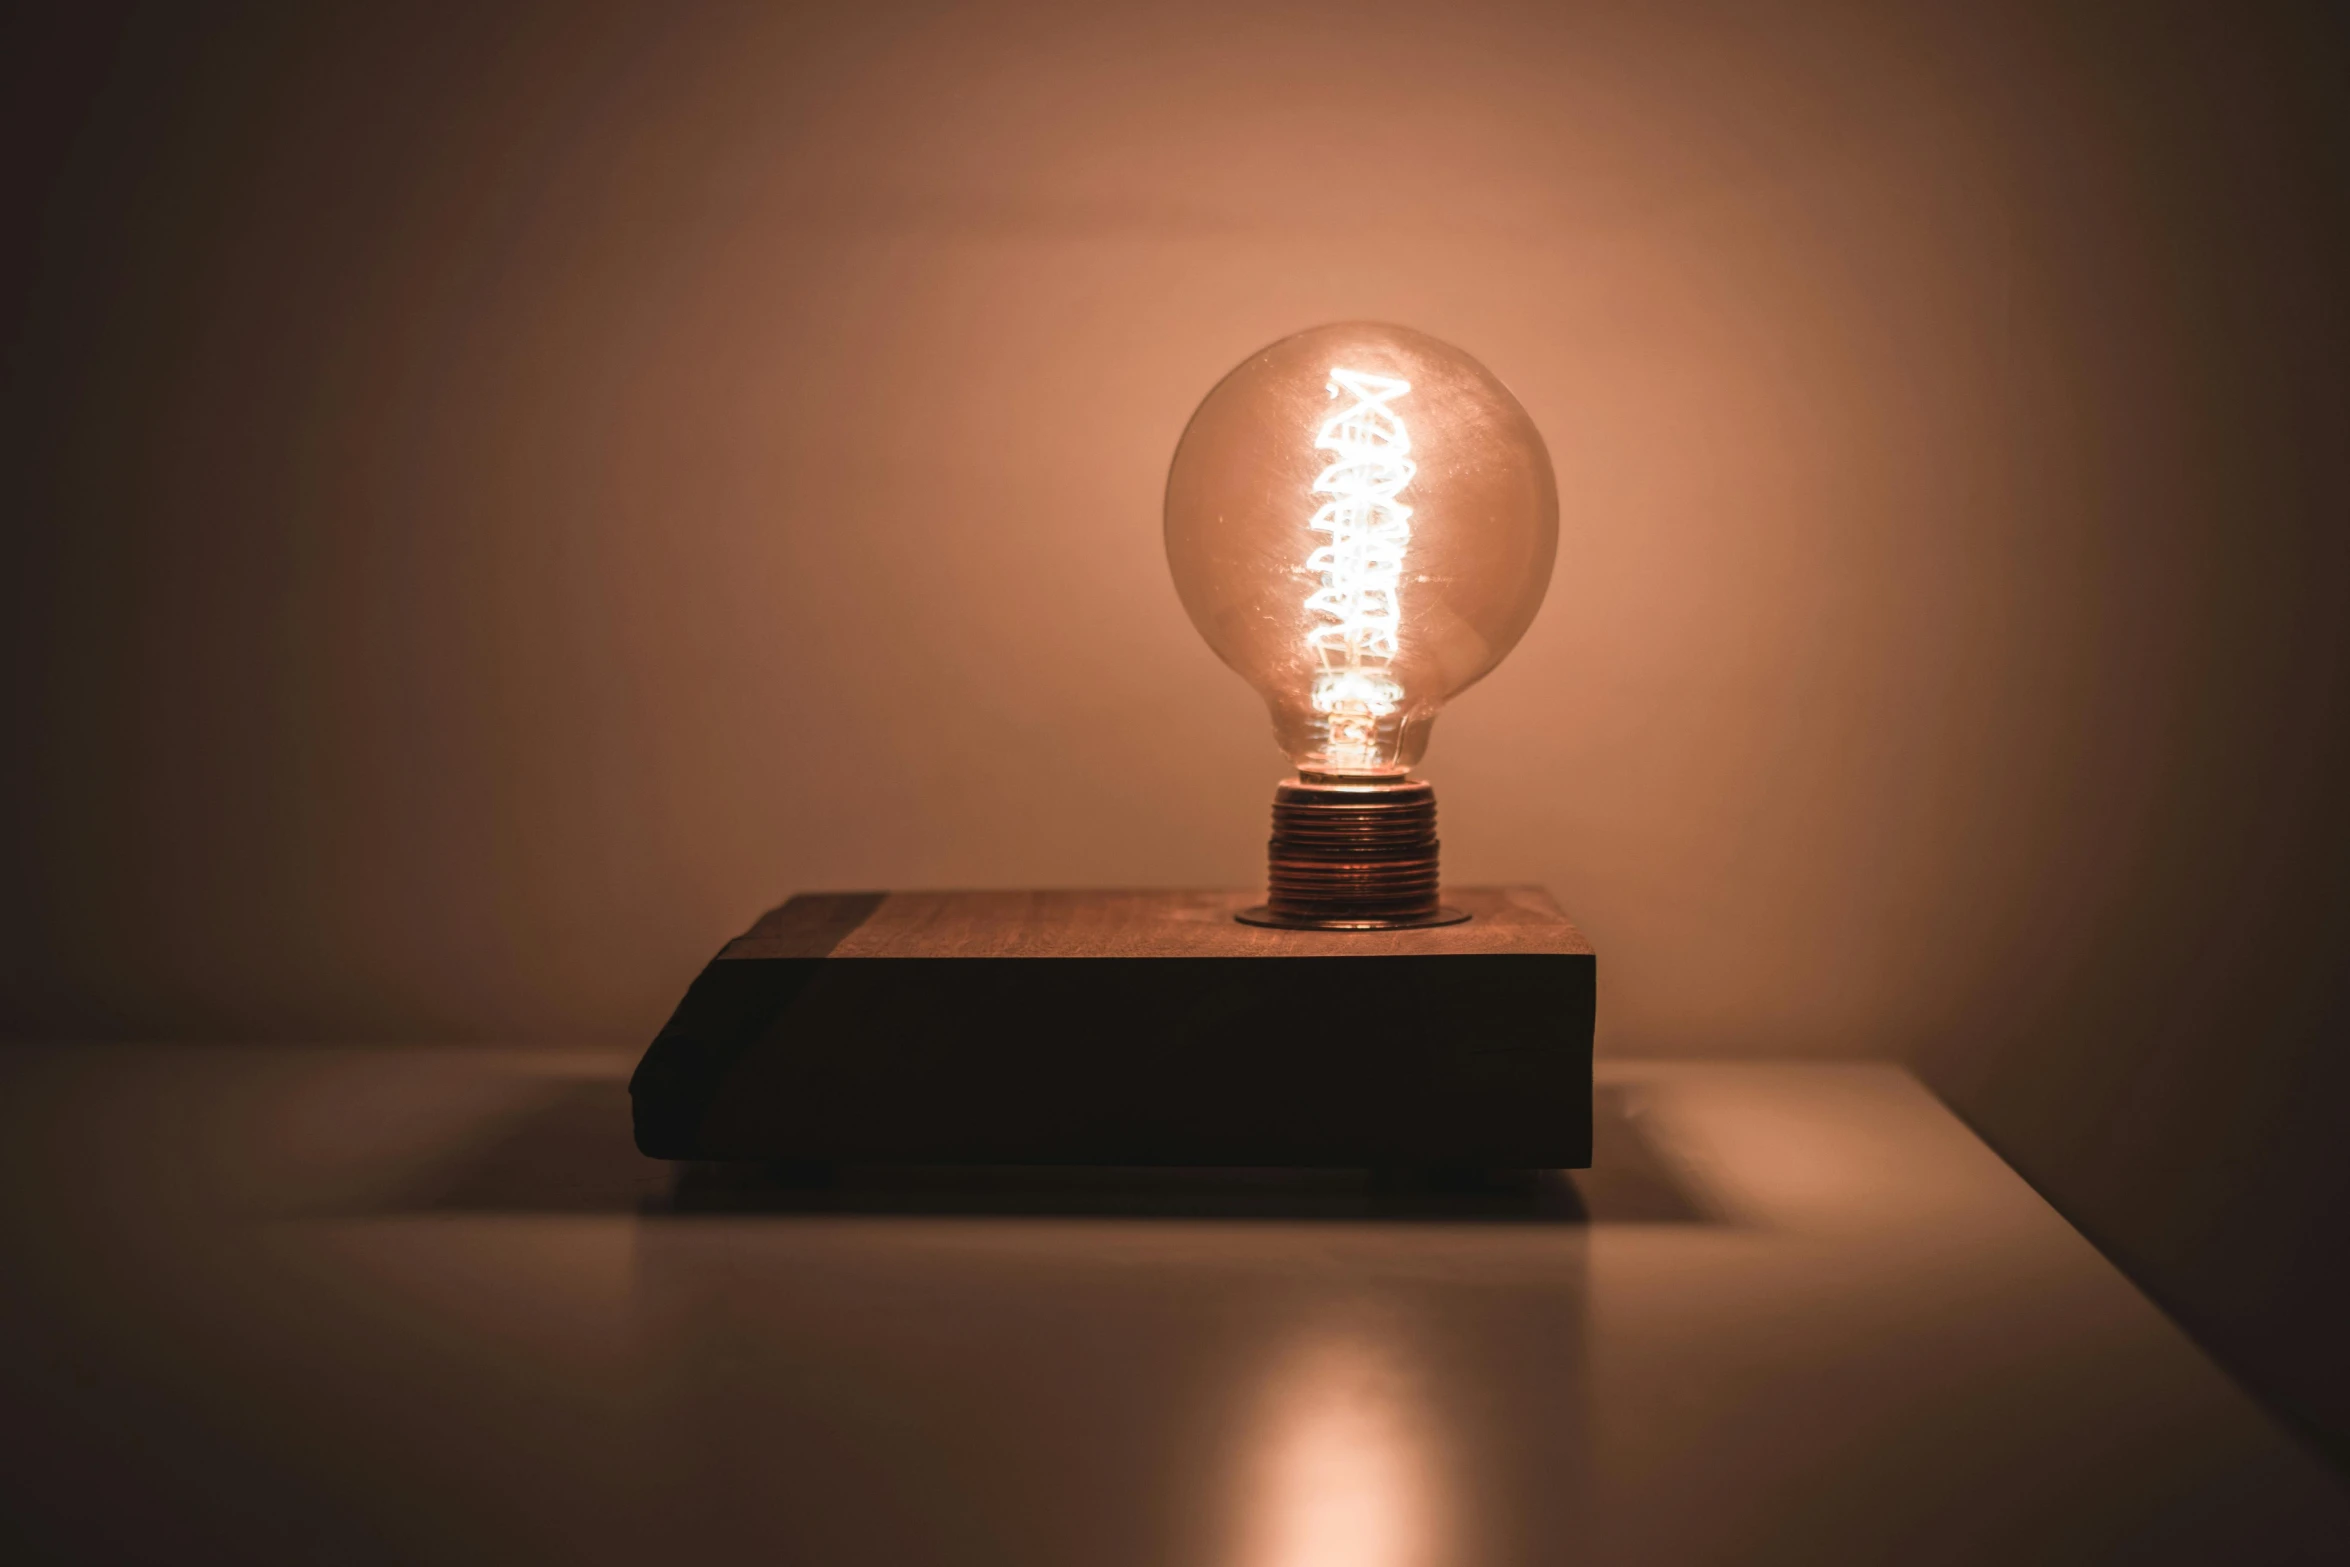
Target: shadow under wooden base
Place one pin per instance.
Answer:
(572, 1154)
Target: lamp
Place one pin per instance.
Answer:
(1361, 521)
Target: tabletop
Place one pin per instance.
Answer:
(428, 1304)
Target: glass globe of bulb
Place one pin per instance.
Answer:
(1361, 521)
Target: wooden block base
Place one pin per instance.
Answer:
(1128, 1028)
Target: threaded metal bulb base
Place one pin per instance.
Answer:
(1352, 856)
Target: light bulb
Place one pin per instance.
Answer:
(1361, 521)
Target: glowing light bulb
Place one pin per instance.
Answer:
(1361, 521)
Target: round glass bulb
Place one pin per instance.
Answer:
(1361, 521)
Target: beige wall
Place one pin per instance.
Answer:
(531, 493)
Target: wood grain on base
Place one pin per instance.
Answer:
(1131, 924)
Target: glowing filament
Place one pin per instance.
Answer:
(1361, 568)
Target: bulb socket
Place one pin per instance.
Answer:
(1357, 855)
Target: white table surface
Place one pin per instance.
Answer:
(427, 1305)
